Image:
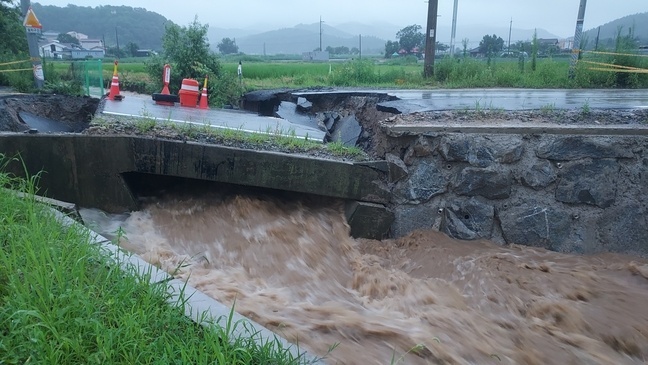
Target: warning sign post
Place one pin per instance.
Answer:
(33, 28)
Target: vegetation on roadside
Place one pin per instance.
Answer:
(269, 139)
(187, 50)
(64, 300)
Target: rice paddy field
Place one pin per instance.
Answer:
(407, 73)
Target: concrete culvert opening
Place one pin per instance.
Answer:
(149, 187)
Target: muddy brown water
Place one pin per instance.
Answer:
(421, 299)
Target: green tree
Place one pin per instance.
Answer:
(341, 50)
(228, 46)
(522, 46)
(13, 47)
(491, 44)
(441, 47)
(410, 37)
(187, 51)
(66, 38)
(116, 52)
(13, 40)
(464, 43)
(132, 49)
(391, 48)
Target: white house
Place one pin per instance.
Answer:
(91, 43)
(53, 50)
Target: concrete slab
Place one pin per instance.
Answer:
(289, 111)
(143, 106)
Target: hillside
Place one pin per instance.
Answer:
(138, 25)
(638, 22)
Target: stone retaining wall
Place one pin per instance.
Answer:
(566, 193)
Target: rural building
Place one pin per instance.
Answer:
(316, 56)
(91, 43)
(87, 48)
(54, 50)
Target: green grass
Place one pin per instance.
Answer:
(65, 301)
(268, 139)
(265, 73)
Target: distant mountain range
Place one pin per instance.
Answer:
(637, 22)
(306, 37)
(146, 28)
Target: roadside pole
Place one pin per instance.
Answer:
(33, 29)
(454, 29)
(430, 38)
(577, 39)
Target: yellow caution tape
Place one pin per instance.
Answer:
(617, 54)
(638, 71)
(13, 62)
(20, 69)
(612, 65)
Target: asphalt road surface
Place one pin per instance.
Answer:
(142, 106)
(509, 99)
(135, 105)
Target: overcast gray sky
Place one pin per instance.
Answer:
(556, 16)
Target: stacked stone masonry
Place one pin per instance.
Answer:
(580, 194)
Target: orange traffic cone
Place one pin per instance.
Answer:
(114, 86)
(203, 97)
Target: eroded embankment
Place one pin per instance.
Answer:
(74, 113)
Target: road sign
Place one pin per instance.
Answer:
(31, 22)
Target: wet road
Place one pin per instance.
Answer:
(510, 99)
(138, 106)
(142, 106)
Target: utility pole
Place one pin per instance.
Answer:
(360, 49)
(117, 39)
(33, 29)
(454, 28)
(320, 48)
(509, 42)
(598, 34)
(430, 38)
(577, 39)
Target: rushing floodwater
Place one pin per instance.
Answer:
(422, 299)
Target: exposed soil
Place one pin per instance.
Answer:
(78, 112)
(74, 111)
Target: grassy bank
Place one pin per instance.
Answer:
(63, 301)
